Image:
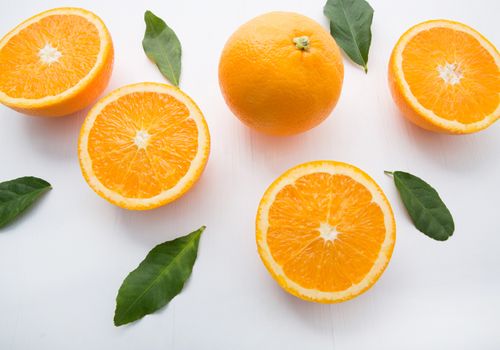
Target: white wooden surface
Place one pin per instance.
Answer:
(61, 265)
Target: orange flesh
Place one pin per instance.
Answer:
(475, 96)
(294, 239)
(24, 75)
(142, 172)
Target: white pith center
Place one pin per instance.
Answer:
(49, 54)
(450, 73)
(141, 139)
(327, 232)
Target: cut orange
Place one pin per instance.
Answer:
(445, 77)
(143, 145)
(325, 231)
(55, 63)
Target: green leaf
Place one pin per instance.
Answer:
(158, 278)
(17, 195)
(427, 211)
(163, 47)
(350, 25)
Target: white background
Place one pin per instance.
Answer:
(62, 264)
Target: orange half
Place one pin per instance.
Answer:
(143, 145)
(445, 77)
(325, 231)
(55, 63)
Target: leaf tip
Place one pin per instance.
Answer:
(149, 16)
(439, 238)
(116, 320)
(119, 319)
(118, 323)
(387, 172)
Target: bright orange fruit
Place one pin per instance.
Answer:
(143, 145)
(325, 231)
(445, 77)
(281, 73)
(55, 63)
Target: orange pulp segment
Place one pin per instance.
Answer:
(143, 145)
(445, 76)
(325, 231)
(55, 63)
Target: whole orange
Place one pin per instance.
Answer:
(281, 73)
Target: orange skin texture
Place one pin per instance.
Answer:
(271, 85)
(82, 97)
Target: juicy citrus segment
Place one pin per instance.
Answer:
(453, 74)
(55, 63)
(325, 231)
(446, 77)
(154, 137)
(143, 145)
(34, 51)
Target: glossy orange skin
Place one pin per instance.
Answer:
(271, 85)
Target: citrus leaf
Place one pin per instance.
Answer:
(350, 25)
(18, 195)
(157, 279)
(162, 47)
(427, 211)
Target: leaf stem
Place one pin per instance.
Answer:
(390, 173)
